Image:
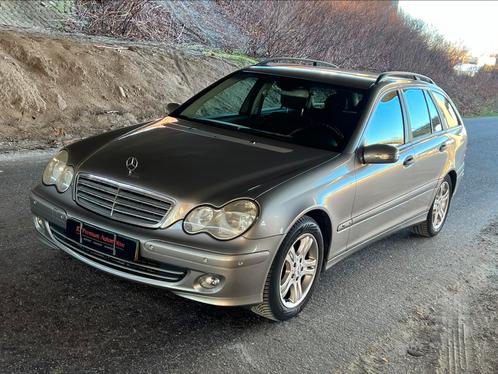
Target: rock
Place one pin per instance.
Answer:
(414, 352)
(58, 132)
(121, 91)
(61, 103)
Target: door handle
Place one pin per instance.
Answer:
(409, 160)
(443, 147)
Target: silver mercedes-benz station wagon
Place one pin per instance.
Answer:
(243, 194)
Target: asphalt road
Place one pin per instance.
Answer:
(58, 315)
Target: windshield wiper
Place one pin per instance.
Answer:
(254, 131)
(239, 128)
(226, 125)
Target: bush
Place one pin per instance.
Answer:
(130, 19)
(371, 36)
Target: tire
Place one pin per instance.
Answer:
(432, 225)
(287, 268)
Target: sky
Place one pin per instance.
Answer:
(472, 24)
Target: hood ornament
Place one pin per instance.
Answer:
(131, 164)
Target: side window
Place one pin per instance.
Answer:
(435, 120)
(272, 99)
(319, 96)
(227, 99)
(447, 109)
(386, 124)
(420, 122)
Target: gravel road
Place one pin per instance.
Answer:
(404, 304)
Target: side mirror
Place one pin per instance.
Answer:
(379, 154)
(171, 107)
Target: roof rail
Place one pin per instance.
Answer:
(296, 59)
(403, 74)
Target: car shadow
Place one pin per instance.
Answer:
(59, 306)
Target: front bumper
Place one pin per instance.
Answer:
(173, 265)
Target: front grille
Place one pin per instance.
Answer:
(143, 267)
(120, 203)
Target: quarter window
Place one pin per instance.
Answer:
(435, 120)
(447, 110)
(272, 99)
(386, 124)
(224, 100)
(420, 122)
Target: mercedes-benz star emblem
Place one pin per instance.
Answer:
(131, 164)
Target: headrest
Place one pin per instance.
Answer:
(294, 99)
(336, 102)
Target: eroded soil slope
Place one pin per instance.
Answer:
(54, 89)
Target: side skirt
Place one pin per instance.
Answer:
(348, 252)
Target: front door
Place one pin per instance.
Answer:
(383, 190)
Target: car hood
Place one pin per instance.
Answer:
(196, 163)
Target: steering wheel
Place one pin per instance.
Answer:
(321, 135)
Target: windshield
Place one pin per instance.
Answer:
(293, 110)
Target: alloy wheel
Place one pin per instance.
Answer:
(441, 204)
(298, 270)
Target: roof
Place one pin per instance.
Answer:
(336, 76)
(356, 79)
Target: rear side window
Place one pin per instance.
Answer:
(224, 100)
(272, 98)
(386, 124)
(420, 122)
(435, 120)
(447, 109)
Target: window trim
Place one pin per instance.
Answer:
(406, 118)
(441, 115)
(409, 142)
(446, 129)
(425, 136)
(428, 97)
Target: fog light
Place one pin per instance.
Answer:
(209, 281)
(39, 224)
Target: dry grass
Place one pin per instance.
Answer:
(360, 35)
(363, 35)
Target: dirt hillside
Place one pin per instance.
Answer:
(55, 89)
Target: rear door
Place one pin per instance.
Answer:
(427, 144)
(455, 136)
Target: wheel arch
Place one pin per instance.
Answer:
(325, 223)
(453, 176)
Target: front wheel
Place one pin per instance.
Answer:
(438, 212)
(294, 272)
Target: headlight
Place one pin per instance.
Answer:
(58, 172)
(223, 223)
